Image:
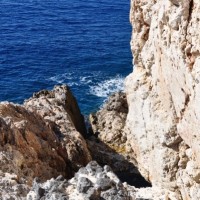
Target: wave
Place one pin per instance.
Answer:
(91, 83)
(107, 87)
(61, 78)
(75, 79)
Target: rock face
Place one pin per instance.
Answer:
(163, 95)
(108, 145)
(60, 109)
(40, 139)
(59, 106)
(108, 123)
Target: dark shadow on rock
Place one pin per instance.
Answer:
(125, 170)
(107, 125)
(133, 179)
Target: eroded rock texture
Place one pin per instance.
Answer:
(10, 186)
(59, 109)
(163, 95)
(40, 139)
(108, 123)
(90, 183)
(108, 143)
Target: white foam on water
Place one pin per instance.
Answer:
(61, 78)
(64, 78)
(74, 78)
(107, 87)
(92, 82)
(56, 79)
(86, 79)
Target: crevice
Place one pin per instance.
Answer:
(190, 10)
(188, 53)
(125, 170)
(191, 5)
(133, 179)
(187, 100)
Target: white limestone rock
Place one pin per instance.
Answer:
(163, 94)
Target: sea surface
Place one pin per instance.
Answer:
(82, 43)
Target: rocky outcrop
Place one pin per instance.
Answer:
(162, 93)
(108, 141)
(59, 106)
(30, 148)
(108, 123)
(59, 109)
(92, 182)
(40, 139)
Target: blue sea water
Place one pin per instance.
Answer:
(83, 43)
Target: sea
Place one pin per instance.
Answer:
(82, 43)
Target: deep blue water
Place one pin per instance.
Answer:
(84, 44)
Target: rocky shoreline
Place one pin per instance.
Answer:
(41, 138)
(142, 145)
(44, 143)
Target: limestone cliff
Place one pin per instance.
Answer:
(163, 93)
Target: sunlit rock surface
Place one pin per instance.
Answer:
(163, 95)
(40, 139)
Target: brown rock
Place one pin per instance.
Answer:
(41, 138)
(60, 110)
(31, 147)
(58, 105)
